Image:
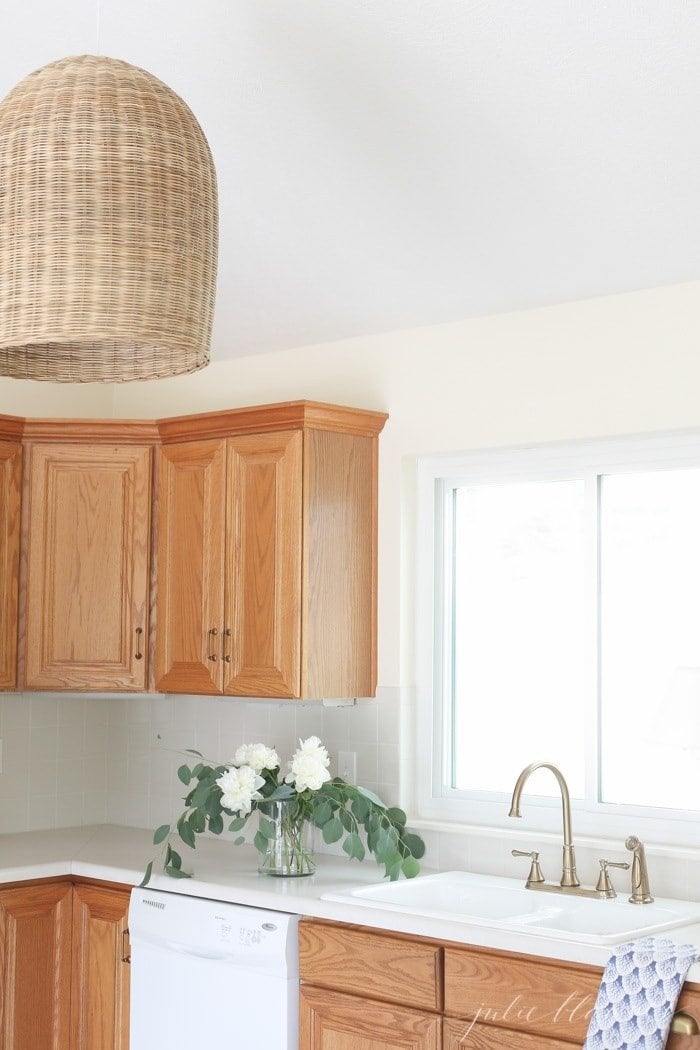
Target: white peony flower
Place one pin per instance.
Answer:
(308, 767)
(240, 789)
(258, 756)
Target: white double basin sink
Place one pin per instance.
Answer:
(502, 903)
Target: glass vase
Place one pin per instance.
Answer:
(290, 850)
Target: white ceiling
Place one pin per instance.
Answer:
(387, 164)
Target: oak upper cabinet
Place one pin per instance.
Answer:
(101, 970)
(87, 565)
(10, 489)
(35, 967)
(267, 552)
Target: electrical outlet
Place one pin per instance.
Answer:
(347, 766)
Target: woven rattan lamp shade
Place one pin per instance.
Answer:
(108, 227)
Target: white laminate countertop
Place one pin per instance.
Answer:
(222, 871)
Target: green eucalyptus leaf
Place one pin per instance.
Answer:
(353, 846)
(410, 867)
(185, 774)
(175, 859)
(216, 824)
(197, 821)
(332, 831)
(346, 820)
(212, 806)
(266, 828)
(360, 808)
(260, 842)
(200, 794)
(177, 873)
(322, 813)
(371, 796)
(387, 841)
(393, 870)
(237, 824)
(197, 770)
(187, 835)
(147, 874)
(414, 844)
(239, 841)
(397, 816)
(161, 834)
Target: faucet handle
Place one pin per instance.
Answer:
(604, 884)
(535, 869)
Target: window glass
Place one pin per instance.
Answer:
(650, 625)
(517, 636)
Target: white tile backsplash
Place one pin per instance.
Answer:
(81, 759)
(54, 759)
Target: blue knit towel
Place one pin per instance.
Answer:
(638, 994)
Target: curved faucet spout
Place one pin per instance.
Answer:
(568, 875)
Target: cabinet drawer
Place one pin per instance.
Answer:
(333, 1020)
(544, 997)
(468, 1035)
(371, 964)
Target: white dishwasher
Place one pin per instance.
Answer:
(205, 970)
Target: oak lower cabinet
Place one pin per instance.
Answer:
(267, 552)
(88, 551)
(10, 496)
(35, 966)
(333, 1021)
(64, 971)
(365, 989)
(101, 971)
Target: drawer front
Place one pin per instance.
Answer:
(543, 997)
(371, 964)
(470, 1035)
(334, 1021)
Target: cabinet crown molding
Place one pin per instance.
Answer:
(11, 428)
(286, 415)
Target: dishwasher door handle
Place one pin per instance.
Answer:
(186, 949)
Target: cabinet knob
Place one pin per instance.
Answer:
(684, 1024)
(138, 655)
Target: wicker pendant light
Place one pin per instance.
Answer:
(108, 227)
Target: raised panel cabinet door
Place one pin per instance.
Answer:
(87, 583)
(35, 967)
(101, 971)
(263, 578)
(10, 487)
(334, 1021)
(190, 601)
(470, 1035)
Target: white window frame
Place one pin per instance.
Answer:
(436, 475)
